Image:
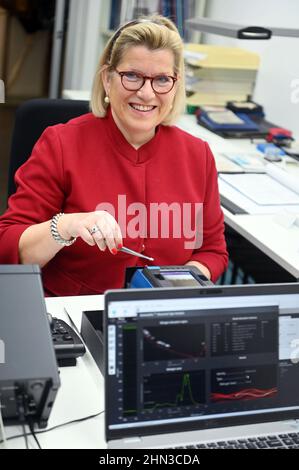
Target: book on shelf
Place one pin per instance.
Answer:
(123, 11)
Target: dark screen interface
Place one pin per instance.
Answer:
(197, 364)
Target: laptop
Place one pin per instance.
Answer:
(214, 367)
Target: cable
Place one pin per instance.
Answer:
(25, 436)
(80, 420)
(21, 402)
(31, 427)
(3, 439)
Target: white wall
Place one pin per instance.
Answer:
(277, 87)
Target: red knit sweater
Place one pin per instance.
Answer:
(74, 167)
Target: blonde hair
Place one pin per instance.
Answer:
(154, 32)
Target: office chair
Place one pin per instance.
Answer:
(32, 117)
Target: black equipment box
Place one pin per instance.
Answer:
(29, 378)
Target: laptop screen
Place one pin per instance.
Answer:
(185, 359)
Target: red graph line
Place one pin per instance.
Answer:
(246, 394)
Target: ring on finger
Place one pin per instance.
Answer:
(94, 229)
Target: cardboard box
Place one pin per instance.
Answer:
(3, 28)
(27, 62)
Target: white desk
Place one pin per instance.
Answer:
(81, 393)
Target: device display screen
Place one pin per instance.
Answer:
(180, 278)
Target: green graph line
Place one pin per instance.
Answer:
(180, 396)
(129, 327)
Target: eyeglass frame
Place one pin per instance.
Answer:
(144, 78)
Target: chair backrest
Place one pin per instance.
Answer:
(32, 118)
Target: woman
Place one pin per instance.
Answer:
(121, 175)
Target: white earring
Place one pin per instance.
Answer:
(106, 99)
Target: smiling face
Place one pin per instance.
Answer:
(137, 113)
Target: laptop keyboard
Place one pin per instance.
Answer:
(279, 441)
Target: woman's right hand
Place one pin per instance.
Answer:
(107, 232)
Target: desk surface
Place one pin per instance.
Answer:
(81, 393)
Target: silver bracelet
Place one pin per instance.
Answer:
(55, 234)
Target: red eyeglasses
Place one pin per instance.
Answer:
(133, 81)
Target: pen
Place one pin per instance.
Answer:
(242, 172)
(135, 253)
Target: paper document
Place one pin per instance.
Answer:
(247, 161)
(225, 165)
(262, 189)
(242, 202)
(284, 177)
(226, 117)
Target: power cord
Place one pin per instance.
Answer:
(80, 420)
(31, 427)
(21, 402)
(3, 439)
(25, 436)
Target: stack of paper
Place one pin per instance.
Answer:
(217, 74)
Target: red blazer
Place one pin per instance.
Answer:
(77, 166)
